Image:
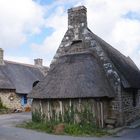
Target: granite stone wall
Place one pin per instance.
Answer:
(130, 106)
(10, 99)
(1, 57)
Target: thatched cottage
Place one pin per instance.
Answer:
(88, 80)
(16, 81)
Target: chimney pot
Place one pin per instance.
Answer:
(38, 62)
(77, 17)
(1, 57)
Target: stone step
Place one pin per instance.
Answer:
(134, 124)
(110, 121)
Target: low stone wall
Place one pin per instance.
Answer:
(122, 108)
(10, 99)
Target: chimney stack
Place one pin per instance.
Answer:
(1, 57)
(77, 17)
(38, 62)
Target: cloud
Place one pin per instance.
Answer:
(106, 18)
(58, 21)
(111, 21)
(26, 60)
(117, 22)
(19, 19)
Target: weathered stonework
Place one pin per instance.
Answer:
(38, 62)
(10, 99)
(130, 112)
(1, 57)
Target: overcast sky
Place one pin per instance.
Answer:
(34, 28)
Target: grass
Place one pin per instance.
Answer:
(44, 127)
(3, 109)
(66, 126)
(69, 129)
(86, 130)
(1, 105)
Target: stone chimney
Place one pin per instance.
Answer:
(77, 35)
(1, 57)
(77, 17)
(38, 62)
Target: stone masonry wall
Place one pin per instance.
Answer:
(77, 22)
(130, 112)
(10, 99)
(1, 57)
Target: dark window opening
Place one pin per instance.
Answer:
(25, 99)
(35, 83)
(76, 42)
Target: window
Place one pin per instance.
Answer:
(35, 83)
(25, 99)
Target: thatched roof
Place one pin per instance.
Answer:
(77, 72)
(74, 76)
(5, 82)
(128, 71)
(19, 76)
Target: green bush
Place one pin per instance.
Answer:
(85, 126)
(1, 105)
(36, 117)
(70, 129)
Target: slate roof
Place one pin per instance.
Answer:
(19, 76)
(74, 76)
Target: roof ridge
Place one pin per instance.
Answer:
(20, 63)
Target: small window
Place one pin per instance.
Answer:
(35, 83)
(25, 99)
(135, 97)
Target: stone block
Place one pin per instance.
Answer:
(59, 129)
